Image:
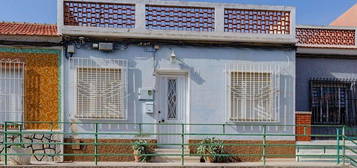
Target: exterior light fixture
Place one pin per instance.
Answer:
(173, 57)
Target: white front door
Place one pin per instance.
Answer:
(171, 103)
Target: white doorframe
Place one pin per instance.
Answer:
(160, 98)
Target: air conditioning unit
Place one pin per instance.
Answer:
(106, 46)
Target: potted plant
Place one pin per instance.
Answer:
(209, 148)
(141, 148)
(22, 157)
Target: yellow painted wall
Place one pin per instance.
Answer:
(41, 88)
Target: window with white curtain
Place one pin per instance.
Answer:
(253, 94)
(11, 90)
(100, 88)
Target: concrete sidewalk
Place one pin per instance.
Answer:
(282, 164)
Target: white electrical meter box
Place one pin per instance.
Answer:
(149, 107)
(146, 94)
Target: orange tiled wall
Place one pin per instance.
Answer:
(41, 87)
(303, 119)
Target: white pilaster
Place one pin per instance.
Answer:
(219, 19)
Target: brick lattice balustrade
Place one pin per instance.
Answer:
(319, 36)
(93, 14)
(171, 20)
(180, 18)
(256, 21)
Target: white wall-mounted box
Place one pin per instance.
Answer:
(149, 107)
(146, 94)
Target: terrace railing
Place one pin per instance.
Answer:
(262, 140)
(177, 20)
(326, 37)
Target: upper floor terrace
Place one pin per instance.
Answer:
(171, 20)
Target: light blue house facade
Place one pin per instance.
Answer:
(153, 66)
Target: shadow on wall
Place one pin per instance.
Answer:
(195, 76)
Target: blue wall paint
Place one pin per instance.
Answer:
(307, 68)
(206, 66)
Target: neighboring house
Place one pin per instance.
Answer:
(326, 77)
(326, 74)
(30, 81)
(177, 62)
(347, 18)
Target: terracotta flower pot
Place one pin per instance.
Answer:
(137, 157)
(209, 159)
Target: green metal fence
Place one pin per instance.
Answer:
(264, 135)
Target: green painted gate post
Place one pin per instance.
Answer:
(5, 141)
(344, 144)
(95, 144)
(182, 144)
(264, 143)
(21, 136)
(338, 145)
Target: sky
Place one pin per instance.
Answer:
(308, 12)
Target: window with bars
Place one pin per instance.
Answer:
(100, 88)
(99, 93)
(333, 102)
(11, 90)
(252, 97)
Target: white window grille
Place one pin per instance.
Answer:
(11, 90)
(100, 88)
(253, 92)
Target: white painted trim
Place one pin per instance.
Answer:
(303, 112)
(293, 22)
(325, 27)
(327, 46)
(170, 72)
(178, 35)
(219, 23)
(139, 16)
(188, 101)
(60, 14)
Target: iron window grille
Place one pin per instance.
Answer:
(11, 90)
(100, 88)
(333, 101)
(253, 93)
(172, 99)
